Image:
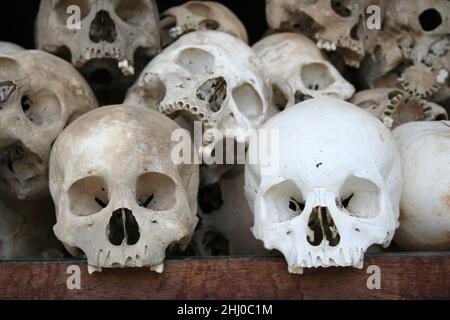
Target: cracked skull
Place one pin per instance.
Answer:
(122, 215)
(395, 106)
(210, 77)
(39, 95)
(337, 188)
(199, 15)
(297, 70)
(334, 24)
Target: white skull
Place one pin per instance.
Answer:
(336, 190)
(226, 219)
(200, 15)
(118, 196)
(334, 24)
(424, 148)
(297, 70)
(7, 47)
(111, 29)
(26, 230)
(206, 76)
(39, 95)
(395, 106)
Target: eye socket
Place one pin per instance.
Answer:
(41, 107)
(316, 76)
(284, 202)
(359, 198)
(341, 8)
(430, 19)
(213, 91)
(63, 5)
(248, 100)
(209, 24)
(155, 191)
(88, 196)
(132, 12)
(196, 61)
(7, 89)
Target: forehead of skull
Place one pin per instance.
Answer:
(116, 139)
(33, 64)
(286, 45)
(325, 138)
(230, 44)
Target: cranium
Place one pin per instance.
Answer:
(412, 50)
(39, 95)
(26, 230)
(210, 77)
(395, 106)
(7, 47)
(334, 24)
(114, 40)
(200, 15)
(336, 190)
(297, 70)
(226, 219)
(118, 195)
(424, 148)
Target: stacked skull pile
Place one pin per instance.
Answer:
(98, 132)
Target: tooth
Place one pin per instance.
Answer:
(295, 270)
(126, 68)
(87, 54)
(175, 32)
(159, 268)
(92, 269)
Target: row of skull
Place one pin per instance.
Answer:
(200, 77)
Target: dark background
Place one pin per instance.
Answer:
(17, 18)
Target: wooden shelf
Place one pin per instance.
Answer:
(403, 276)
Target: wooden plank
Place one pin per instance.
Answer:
(403, 276)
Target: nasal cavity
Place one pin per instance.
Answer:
(322, 227)
(103, 28)
(123, 228)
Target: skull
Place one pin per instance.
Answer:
(115, 40)
(226, 219)
(336, 190)
(7, 48)
(39, 95)
(122, 216)
(425, 202)
(210, 77)
(335, 24)
(200, 15)
(298, 71)
(412, 50)
(25, 231)
(395, 106)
